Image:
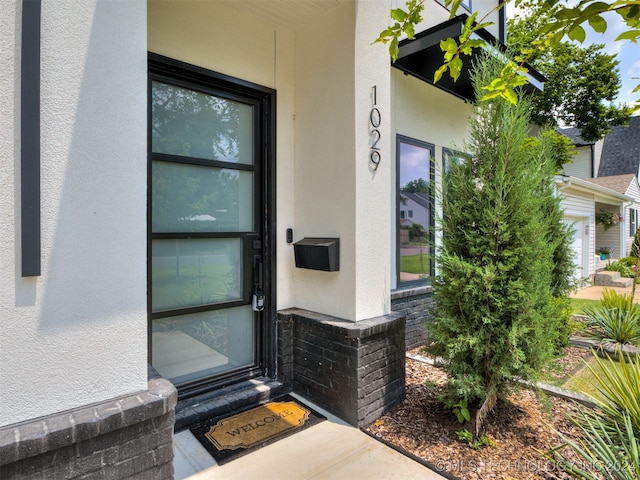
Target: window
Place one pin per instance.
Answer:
(450, 157)
(415, 176)
(633, 221)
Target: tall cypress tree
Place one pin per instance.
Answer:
(496, 318)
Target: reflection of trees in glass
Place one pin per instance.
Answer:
(190, 123)
(193, 272)
(193, 198)
(419, 185)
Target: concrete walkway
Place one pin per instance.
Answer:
(329, 450)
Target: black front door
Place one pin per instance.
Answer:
(209, 265)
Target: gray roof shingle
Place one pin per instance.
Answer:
(621, 150)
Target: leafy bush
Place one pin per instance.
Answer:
(615, 319)
(611, 433)
(635, 246)
(623, 268)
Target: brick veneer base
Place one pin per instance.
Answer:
(127, 437)
(353, 369)
(414, 303)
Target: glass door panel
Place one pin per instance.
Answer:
(197, 198)
(192, 272)
(193, 124)
(188, 347)
(205, 175)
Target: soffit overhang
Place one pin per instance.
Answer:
(600, 193)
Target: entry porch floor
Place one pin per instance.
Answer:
(329, 450)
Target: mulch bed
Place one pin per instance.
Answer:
(520, 427)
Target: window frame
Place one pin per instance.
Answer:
(400, 139)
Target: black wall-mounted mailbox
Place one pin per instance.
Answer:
(318, 254)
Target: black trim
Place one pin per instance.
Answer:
(182, 74)
(30, 140)
(422, 56)
(502, 22)
(428, 146)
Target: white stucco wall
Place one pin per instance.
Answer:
(325, 196)
(206, 34)
(77, 334)
(427, 113)
(373, 187)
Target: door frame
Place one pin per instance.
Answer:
(161, 66)
(580, 220)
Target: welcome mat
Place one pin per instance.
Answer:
(231, 437)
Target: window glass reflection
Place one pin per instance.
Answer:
(415, 211)
(191, 198)
(193, 124)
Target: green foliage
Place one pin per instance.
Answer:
(418, 263)
(562, 149)
(502, 229)
(578, 304)
(560, 322)
(419, 185)
(417, 232)
(404, 23)
(635, 246)
(464, 435)
(611, 433)
(615, 319)
(582, 82)
(623, 268)
(554, 20)
(619, 389)
(461, 411)
(429, 384)
(483, 441)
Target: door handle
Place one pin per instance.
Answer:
(257, 302)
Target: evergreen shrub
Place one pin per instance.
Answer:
(504, 265)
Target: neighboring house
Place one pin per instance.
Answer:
(586, 197)
(162, 159)
(414, 209)
(621, 150)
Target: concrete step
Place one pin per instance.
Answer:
(611, 279)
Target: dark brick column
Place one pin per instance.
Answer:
(414, 303)
(127, 437)
(353, 369)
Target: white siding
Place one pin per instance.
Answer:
(634, 192)
(611, 237)
(580, 165)
(578, 205)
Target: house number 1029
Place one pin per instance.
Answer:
(374, 123)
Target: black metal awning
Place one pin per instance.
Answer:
(422, 56)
